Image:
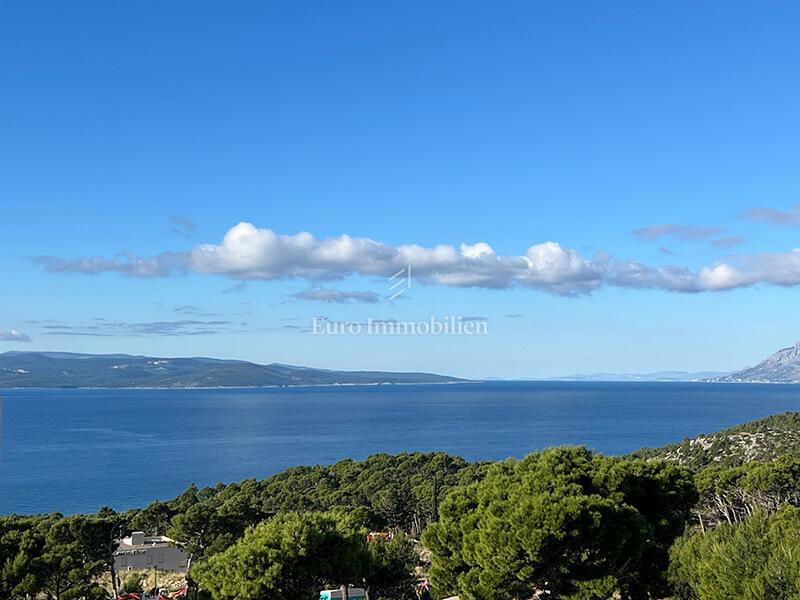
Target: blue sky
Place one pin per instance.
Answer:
(635, 136)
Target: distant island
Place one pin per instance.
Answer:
(69, 370)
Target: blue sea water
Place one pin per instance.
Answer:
(77, 450)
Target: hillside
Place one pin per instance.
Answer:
(781, 367)
(63, 369)
(764, 439)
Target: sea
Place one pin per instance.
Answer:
(76, 450)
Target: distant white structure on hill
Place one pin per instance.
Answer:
(139, 551)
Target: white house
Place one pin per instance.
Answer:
(139, 551)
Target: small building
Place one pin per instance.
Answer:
(139, 552)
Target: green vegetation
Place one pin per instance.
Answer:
(563, 521)
(731, 495)
(390, 569)
(710, 518)
(59, 557)
(289, 556)
(756, 559)
(383, 492)
(762, 440)
(294, 555)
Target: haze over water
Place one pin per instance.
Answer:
(77, 450)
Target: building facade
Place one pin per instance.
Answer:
(139, 551)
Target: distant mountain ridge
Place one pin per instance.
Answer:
(66, 369)
(656, 376)
(781, 367)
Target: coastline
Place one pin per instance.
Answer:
(247, 387)
(376, 384)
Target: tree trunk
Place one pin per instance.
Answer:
(113, 571)
(345, 592)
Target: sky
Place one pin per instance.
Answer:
(606, 187)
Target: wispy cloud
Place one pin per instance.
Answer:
(186, 308)
(124, 263)
(790, 218)
(236, 288)
(182, 327)
(190, 309)
(683, 232)
(12, 335)
(334, 296)
(728, 242)
(665, 250)
(181, 226)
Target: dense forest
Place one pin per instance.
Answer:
(711, 518)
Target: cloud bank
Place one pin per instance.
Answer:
(250, 253)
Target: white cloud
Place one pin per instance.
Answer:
(477, 250)
(778, 268)
(561, 271)
(249, 253)
(633, 274)
(722, 277)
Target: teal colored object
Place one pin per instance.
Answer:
(354, 593)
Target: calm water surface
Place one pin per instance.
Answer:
(76, 450)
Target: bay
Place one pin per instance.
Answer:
(77, 450)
